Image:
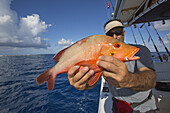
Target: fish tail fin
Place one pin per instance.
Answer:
(47, 76)
(50, 83)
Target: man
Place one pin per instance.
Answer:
(129, 82)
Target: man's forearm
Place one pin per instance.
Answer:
(142, 81)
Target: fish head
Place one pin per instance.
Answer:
(123, 52)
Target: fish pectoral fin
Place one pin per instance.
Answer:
(94, 79)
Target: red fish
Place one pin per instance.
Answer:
(86, 52)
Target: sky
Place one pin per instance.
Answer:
(48, 26)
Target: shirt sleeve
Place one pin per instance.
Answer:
(145, 58)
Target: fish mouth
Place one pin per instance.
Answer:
(131, 56)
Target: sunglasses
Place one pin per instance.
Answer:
(118, 32)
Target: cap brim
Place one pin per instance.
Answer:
(112, 25)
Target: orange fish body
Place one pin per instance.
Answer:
(86, 52)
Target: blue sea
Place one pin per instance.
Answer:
(19, 92)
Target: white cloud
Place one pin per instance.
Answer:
(21, 33)
(4, 19)
(65, 42)
(162, 27)
(32, 25)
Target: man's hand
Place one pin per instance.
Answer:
(115, 71)
(79, 78)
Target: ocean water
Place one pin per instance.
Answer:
(19, 92)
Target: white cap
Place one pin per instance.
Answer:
(112, 24)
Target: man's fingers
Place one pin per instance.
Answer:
(114, 76)
(107, 65)
(111, 78)
(72, 71)
(85, 78)
(82, 83)
(80, 74)
(107, 74)
(111, 59)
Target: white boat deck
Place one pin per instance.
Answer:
(162, 97)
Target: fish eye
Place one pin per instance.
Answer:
(117, 45)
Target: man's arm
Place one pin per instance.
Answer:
(116, 73)
(143, 80)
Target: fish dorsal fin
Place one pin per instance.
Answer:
(82, 41)
(59, 55)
